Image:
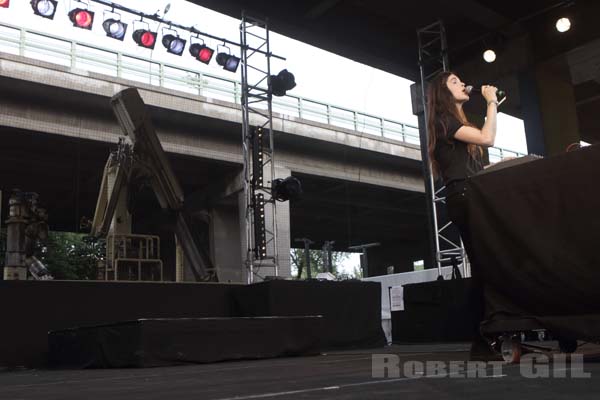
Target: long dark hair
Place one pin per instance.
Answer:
(441, 108)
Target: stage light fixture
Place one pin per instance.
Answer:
(226, 60)
(260, 231)
(4, 3)
(286, 189)
(174, 44)
(44, 8)
(563, 24)
(257, 158)
(282, 82)
(82, 18)
(145, 38)
(115, 28)
(201, 51)
(489, 56)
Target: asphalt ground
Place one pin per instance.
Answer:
(434, 371)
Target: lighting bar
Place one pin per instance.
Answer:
(260, 231)
(155, 17)
(257, 158)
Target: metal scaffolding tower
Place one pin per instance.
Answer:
(258, 150)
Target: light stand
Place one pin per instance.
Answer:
(307, 243)
(364, 261)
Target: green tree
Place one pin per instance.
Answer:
(355, 274)
(71, 256)
(317, 263)
(67, 255)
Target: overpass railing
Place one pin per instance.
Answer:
(85, 56)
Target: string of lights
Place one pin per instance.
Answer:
(83, 17)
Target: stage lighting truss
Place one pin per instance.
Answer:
(200, 51)
(44, 8)
(225, 59)
(257, 158)
(173, 43)
(4, 3)
(114, 27)
(260, 229)
(144, 37)
(82, 18)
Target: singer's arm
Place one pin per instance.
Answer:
(486, 136)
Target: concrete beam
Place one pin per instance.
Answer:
(356, 157)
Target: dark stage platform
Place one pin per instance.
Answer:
(350, 310)
(163, 342)
(339, 375)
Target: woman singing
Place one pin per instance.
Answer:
(455, 151)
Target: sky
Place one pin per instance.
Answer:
(320, 75)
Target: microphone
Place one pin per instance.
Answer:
(469, 88)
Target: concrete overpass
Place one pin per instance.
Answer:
(57, 130)
(552, 79)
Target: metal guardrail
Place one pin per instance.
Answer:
(78, 55)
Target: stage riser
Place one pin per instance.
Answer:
(30, 309)
(351, 310)
(439, 311)
(156, 343)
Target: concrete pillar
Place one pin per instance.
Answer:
(225, 243)
(531, 112)
(179, 262)
(559, 112)
(549, 110)
(282, 211)
(401, 255)
(283, 230)
(243, 243)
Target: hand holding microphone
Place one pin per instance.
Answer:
(489, 93)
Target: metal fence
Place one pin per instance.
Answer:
(88, 57)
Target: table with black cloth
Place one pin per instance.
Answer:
(536, 242)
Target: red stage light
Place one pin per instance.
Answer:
(148, 39)
(82, 18)
(201, 52)
(4, 3)
(145, 38)
(205, 55)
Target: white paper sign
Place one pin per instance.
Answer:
(396, 298)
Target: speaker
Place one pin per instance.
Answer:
(416, 99)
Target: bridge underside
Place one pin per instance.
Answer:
(66, 172)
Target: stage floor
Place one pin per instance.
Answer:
(337, 375)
